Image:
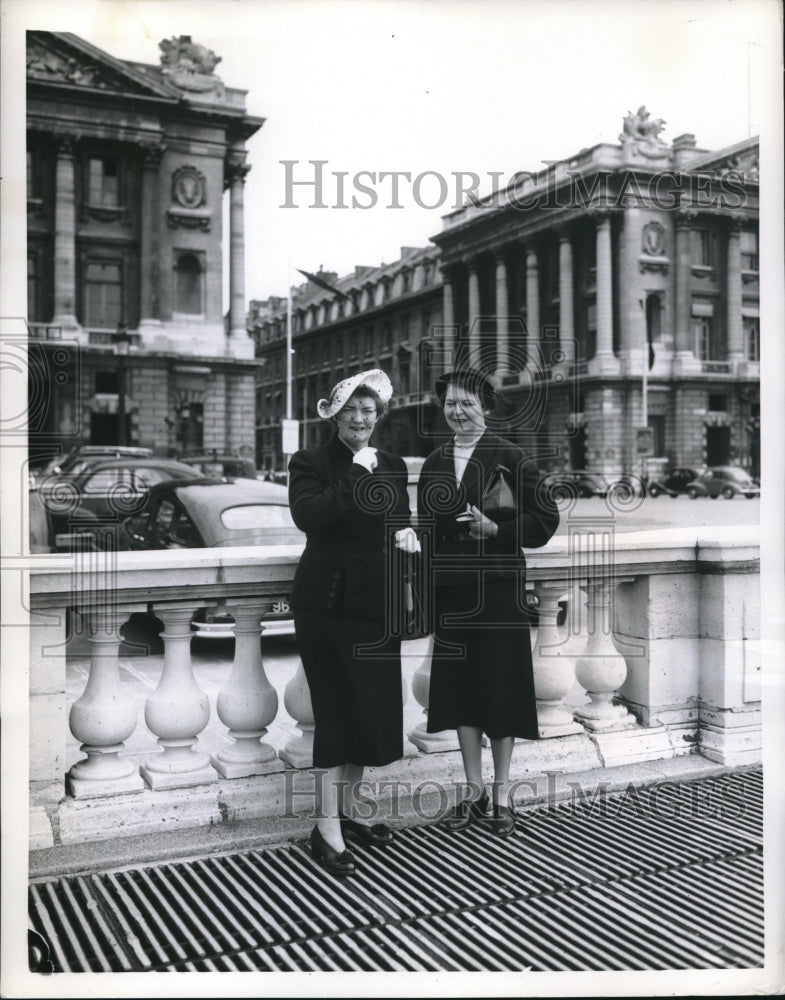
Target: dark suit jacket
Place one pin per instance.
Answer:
(440, 499)
(349, 515)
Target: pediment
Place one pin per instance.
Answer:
(60, 58)
(741, 158)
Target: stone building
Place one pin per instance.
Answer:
(382, 317)
(127, 166)
(626, 272)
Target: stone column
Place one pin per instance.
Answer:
(532, 309)
(248, 702)
(735, 330)
(502, 318)
(604, 360)
(237, 172)
(150, 249)
(177, 711)
(65, 235)
(684, 358)
(566, 313)
(103, 717)
(474, 314)
(448, 320)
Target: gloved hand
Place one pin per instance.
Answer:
(406, 539)
(482, 526)
(367, 458)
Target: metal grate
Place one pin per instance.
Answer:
(666, 877)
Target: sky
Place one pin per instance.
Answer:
(440, 87)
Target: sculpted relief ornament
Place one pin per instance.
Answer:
(189, 65)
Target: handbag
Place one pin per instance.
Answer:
(498, 498)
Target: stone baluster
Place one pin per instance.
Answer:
(421, 682)
(103, 717)
(601, 669)
(554, 668)
(248, 702)
(298, 752)
(177, 711)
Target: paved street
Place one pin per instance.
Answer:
(666, 512)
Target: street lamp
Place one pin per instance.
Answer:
(121, 340)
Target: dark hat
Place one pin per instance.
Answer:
(472, 379)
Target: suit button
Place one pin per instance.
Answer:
(337, 575)
(330, 605)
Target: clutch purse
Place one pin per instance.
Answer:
(498, 498)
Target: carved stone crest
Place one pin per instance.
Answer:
(189, 187)
(189, 65)
(653, 239)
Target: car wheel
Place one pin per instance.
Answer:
(750, 496)
(692, 493)
(728, 493)
(654, 491)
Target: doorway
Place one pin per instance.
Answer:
(717, 445)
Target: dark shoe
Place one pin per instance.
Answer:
(372, 836)
(502, 822)
(336, 862)
(466, 812)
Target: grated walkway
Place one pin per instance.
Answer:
(664, 877)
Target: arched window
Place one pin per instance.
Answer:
(189, 284)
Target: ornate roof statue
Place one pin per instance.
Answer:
(642, 133)
(189, 65)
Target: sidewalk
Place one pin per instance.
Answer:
(665, 876)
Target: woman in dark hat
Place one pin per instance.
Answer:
(351, 501)
(478, 500)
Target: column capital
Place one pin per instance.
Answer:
(152, 153)
(563, 232)
(235, 172)
(65, 143)
(599, 216)
(685, 218)
(734, 225)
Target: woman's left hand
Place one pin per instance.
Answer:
(407, 540)
(482, 526)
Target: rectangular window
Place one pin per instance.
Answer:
(103, 182)
(188, 284)
(107, 382)
(751, 338)
(32, 288)
(369, 340)
(702, 247)
(103, 297)
(749, 251)
(702, 327)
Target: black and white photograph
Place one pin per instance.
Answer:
(392, 534)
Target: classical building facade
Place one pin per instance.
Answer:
(620, 280)
(127, 165)
(376, 317)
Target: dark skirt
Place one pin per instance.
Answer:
(481, 672)
(356, 694)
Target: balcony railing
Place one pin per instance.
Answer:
(658, 657)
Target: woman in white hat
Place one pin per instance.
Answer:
(351, 501)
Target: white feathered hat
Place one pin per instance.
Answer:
(374, 378)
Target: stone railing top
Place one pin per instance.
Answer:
(139, 577)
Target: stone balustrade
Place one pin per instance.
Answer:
(658, 656)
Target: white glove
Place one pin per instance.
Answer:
(407, 540)
(367, 458)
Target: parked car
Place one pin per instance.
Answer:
(78, 459)
(219, 466)
(84, 509)
(579, 482)
(728, 481)
(207, 513)
(675, 483)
